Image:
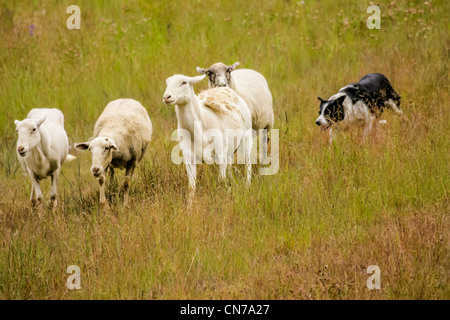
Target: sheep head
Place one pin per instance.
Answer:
(180, 89)
(219, 74)
(101, 149)
(29, 135)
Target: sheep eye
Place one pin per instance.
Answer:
(107, 148)
(183, 83)
(34, 129)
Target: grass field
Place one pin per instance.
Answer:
(308, 232)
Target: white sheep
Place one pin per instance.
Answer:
(251, 86)
(121, 137)
(42, 148)
(220, 110)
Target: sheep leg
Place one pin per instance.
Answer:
(54, 189)
(248, 144)
(264, 141)
(111, 176)
(101, 181)
(33, 194)
(190, 167)
(36, 193)
(229, 163)
(191, 171)
(126, 183)
(223, 171)
(112, 180)
(222, 158)
(192, 174)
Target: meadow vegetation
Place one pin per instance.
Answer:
(308, 232)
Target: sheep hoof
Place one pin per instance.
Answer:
(53, 202)
(35, 203)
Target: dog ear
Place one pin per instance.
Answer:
(321, 100)
(340, 100)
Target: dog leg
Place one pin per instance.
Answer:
(368, 126)
(332, 136)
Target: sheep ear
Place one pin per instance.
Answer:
(112, 144)
(233, 66)
(16, 122)
(201, 70)
(82, 145)
(41, 121)
(195, 80)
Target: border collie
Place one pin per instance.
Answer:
(364, 100)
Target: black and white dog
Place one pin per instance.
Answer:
(364, 100)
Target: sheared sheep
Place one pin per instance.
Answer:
(251, 86)
(121, 137)
(218, 110)
(42, 148)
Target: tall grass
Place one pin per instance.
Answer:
(308, 232)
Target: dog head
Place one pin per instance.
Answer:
(331, 111)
